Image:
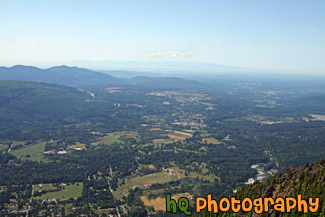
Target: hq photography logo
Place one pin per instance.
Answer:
(258, 205)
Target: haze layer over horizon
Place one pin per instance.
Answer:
(272, 36)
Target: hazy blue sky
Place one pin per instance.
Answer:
(275, 34)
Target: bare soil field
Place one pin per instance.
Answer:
(155, 129)
(211, 140)
(317, 117)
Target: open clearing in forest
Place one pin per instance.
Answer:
(69, 191)
(113, 89)
(16, 143)
(146, 193)
(3, 147)
(204, 133)
(30, 150)
(162, 141)
(44, 187)
(317, 117)
(80, 145)
(161, 177)
(155, 129)
(160, 203)
(211, 140)
(183, 133)
(67, 208)
(39, 158)
(150, 166)
(101, 212)
(111, 138)
(140, 181)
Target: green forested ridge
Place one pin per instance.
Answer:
(63, 75)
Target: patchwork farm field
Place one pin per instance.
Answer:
(178, 135)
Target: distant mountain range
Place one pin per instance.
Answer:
(165, 67)
(81, 77)
(64, 75)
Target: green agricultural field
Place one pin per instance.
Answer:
(15, 143)
(205, 135)
(80, 145)
(44, 187)
(3, 147)
(199, 174)
(70, 191)
(160, 177)
(137, 180)
(101, 212)
(174, 174)
(30, 150)
(150, 166)
(157, 141)
(111, 138)
(39, 158)
(67, 208)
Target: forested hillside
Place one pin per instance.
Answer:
(64, 75)
(309, 181)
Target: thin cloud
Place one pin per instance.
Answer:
(155, 54)
(176, 54)
(170, 54)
